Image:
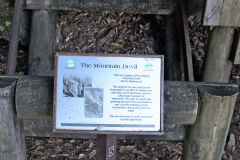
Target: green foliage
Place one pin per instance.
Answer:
(6, 15)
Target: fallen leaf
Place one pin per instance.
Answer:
(120, 21)
(73, 141)
(126, 149)
(83, 14)
(138, 18)
(211, 28)
(82, 156)
(90, 145)
(155, 158)
(159, 18)
(92, 154)
(64, 155)
(116, 45)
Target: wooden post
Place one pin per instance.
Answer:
(12, 143)
(106, 147)
(218, 63)
(205, 140)
(42, 43)
(13, 47)
(186, 39)
(174, 59)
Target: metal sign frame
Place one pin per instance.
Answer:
(160, 132)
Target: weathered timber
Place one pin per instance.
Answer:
(222, 13)
(13, 47)
(175, 64)
(186, 40)
(195, 7)
(37, 98)
(218, 64)
(42, 43)
(44, 128)
(12, 144)
(236, 48)
(106, 147)
(140, 6)
(34, 100)
(206, 138)
(25, 27)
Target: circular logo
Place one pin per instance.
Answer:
(70, 63)
(148, 65)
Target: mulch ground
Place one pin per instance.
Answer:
(120, 33)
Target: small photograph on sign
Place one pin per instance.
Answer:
(93, 102)
(73, 86)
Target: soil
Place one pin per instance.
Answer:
(108, 32)
(22, 65)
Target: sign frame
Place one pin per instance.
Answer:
(159, 132)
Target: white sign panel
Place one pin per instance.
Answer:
(108, 93)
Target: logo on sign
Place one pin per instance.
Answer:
(148, 65)
(70, 63)
(111, 151)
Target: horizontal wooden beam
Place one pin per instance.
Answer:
(44, 128)
(136, 6)
(34, 100)
(177, 94)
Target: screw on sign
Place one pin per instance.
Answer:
(111, 151)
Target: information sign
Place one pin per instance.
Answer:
(108, 93)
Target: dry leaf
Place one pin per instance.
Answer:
(120, 21)
(64, 155)
(126, 149)
(83, 14)
(82, 156)
(211, 28)
(154, 158)
(138, 18)
(92, 154)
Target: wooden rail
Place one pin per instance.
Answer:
(177, 94)
(34, 100)
(132, 6)
(44, 128)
